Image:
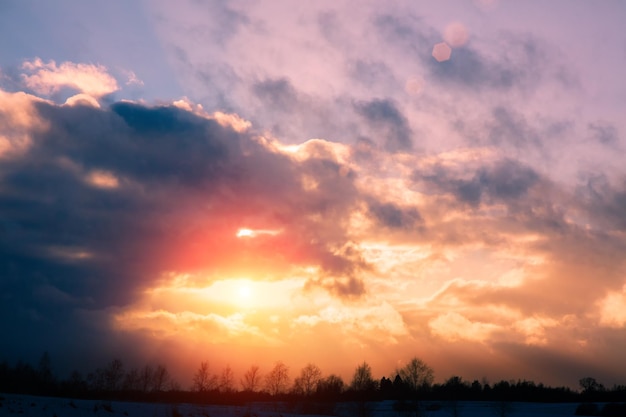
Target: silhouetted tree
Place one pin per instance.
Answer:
(251, 380)
(476, 389)
(227, 380)
(362, 379)
(331, 387)
(146, 375)
(306, 383)
(131, 381)
(402, 390)
(386, 388)
(455, 388)
(202, 380)
(590, 385)
(75, 385)
(44, 374)
(277, 380)
(363, 388)
(160, 378)
(416, 374)
(113, 374)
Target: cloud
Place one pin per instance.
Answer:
(48, 78)
(603, 132)
(503, 181)
(605, 201)
(394, 217)
(103, 201)
(613, 309)
(18, 117)
(278, 94)
(514, 61)
(407, 32)
(454, 326)
(388, 122)
(382, 320)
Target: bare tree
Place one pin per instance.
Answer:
(113, 375)
(362, 379)
(416, 374)
(251, 379)
(277, 381)
(44, 371)
(308, 380)
(145, 378)
(227, 380)
(160, 378)
(203, 380)
(589, 384)
(131, 380)
(332, 385)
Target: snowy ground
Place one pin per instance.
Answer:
(24, 405)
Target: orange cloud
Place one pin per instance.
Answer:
(613, 309)
(102, 179)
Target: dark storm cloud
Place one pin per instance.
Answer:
(54, 215)
(182, 186)
(384, 117)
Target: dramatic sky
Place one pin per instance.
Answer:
(330, 182)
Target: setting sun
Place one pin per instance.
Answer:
(244, 291)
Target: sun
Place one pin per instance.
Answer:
(244, 291)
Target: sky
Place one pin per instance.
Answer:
(242, 182)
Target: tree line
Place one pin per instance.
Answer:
(412, 382)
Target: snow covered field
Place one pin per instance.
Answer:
(24, 405)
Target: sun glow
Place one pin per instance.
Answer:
(244, 291)
(245, 232)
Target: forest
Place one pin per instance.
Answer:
(313, 391)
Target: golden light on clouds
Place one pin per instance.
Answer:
(18, 122)
(82, 100)
(454, 326)
(233, 121)
(613, 309)
(102, 179)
